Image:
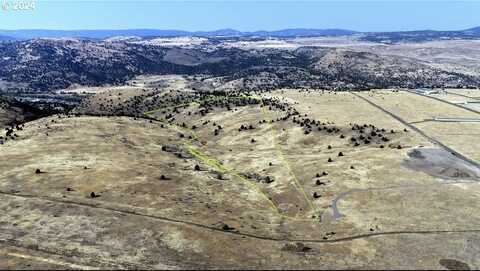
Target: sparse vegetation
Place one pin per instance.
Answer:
(207, 174)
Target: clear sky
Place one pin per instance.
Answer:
(386, 15)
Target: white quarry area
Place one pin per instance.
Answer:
(261, 44)
(174, 42)
(123, 38)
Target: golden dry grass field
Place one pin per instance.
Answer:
(421, 110)
(287, 179)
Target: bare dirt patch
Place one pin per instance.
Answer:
(440, 163)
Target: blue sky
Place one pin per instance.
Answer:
(245, 15)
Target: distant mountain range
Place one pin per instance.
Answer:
(103, 34)
(6, 38)
(421, 35)
(383, 37)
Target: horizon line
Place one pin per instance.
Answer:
(227, 28)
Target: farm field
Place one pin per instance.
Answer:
(420, 111)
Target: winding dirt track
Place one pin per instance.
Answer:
(337, 214)
(249, 235)
(335, 211)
